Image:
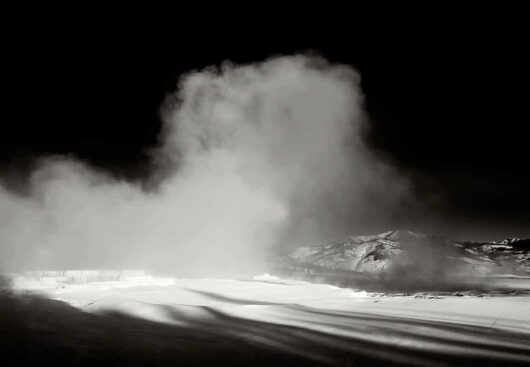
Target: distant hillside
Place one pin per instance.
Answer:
(408, 257)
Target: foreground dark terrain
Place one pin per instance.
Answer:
(41, 332)
(44, 332)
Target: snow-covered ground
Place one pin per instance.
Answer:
(494, 327)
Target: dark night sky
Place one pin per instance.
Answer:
(447, 99)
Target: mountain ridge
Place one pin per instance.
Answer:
(406, 256)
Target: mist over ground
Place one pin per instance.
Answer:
(251, 158)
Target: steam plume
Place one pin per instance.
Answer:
(252, 157)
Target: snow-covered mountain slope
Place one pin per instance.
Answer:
(408, 255)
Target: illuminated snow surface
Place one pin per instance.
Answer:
(493, 327)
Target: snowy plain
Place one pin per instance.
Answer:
(410, 329)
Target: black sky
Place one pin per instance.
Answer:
(447, 99)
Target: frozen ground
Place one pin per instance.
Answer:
(317, 322)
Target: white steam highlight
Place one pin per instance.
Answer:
(254, 156)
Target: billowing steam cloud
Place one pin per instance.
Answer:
(251, 158)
